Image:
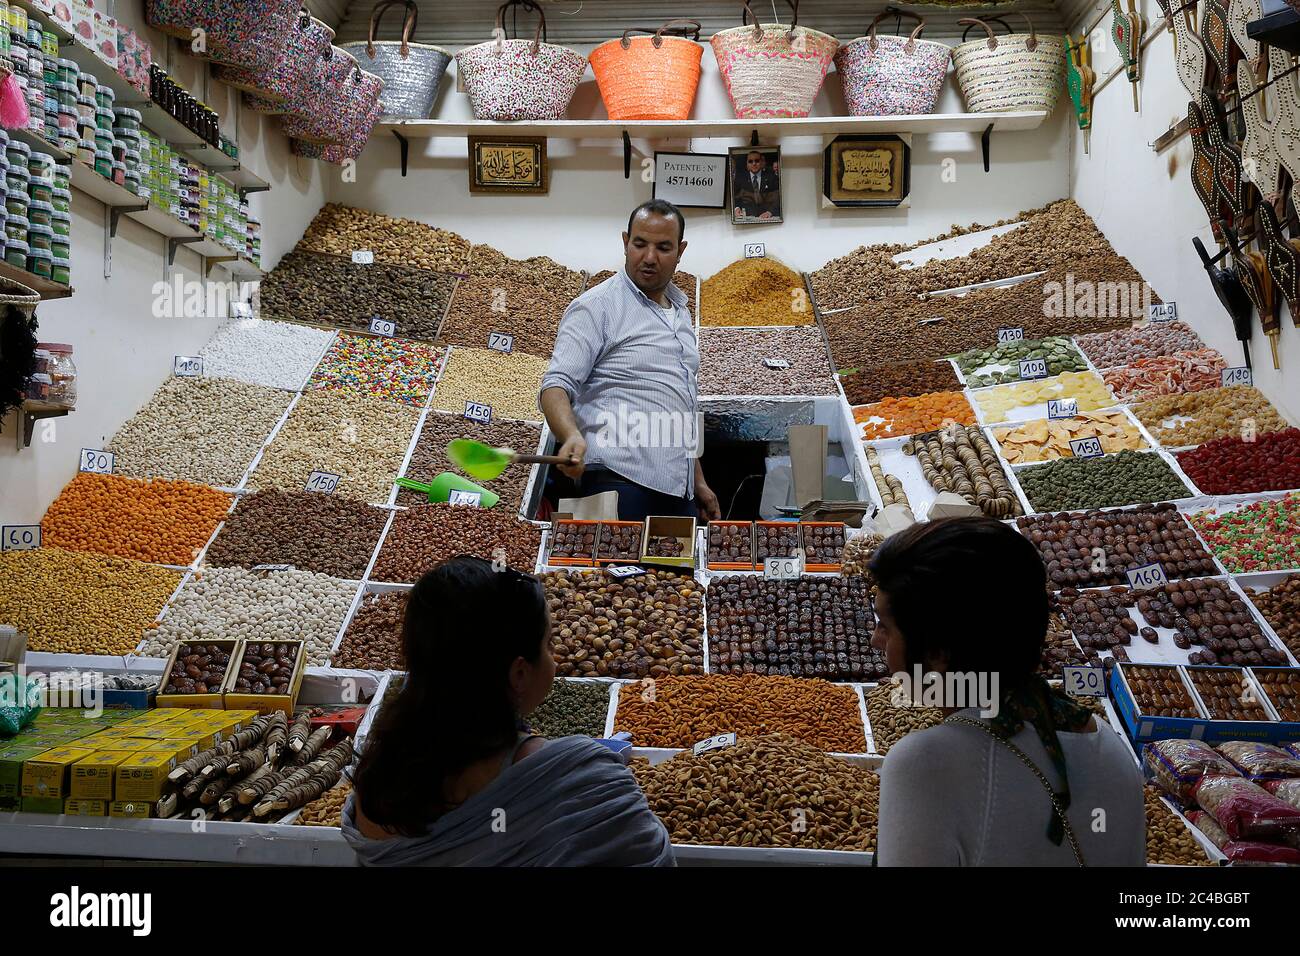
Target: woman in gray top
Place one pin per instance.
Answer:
(449, 778)
(1018, 774)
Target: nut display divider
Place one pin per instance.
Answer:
(578, 561)
(602, 562)
(1262, 689)
(1204, 842)
(214, 700)
(1261, 728)
(824, 567)
(659, 526)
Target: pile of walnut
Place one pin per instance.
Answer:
(262, 772)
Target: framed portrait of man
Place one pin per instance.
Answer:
(755, 176)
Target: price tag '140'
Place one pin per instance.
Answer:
(187, 366)
(1162, 312)
(714, 743)
(1010, 335)
(627, 571)
(20, 537)
(1085, 681)
(471, 498)
(478, 412)
(380, 326)
(1147, 577)
(323, 482)
(1086, 447)
(96, 462)
(776, 363)
(1062, 408)
(500, 342)
(1237, 375)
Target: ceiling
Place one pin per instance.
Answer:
(458, 23)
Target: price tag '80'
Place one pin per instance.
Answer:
(96, 462)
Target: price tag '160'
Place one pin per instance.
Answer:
(500, 342)
(1086, 447)
(1085, 681)
(187, 366)
(471, 498)
(1010, 335)
(478, 412)
(1146, 577)
(380, 326)
(776, 363)
(1033, 368)
(1238, 375)
(20, 537)
(1062, 408)
(714, 743)
(96, 462)
(322, 481)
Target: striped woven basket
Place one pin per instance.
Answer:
(771, 69)
(1021, 71)
(649, 78)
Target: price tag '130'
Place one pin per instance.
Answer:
(1010, 335)
(1147, 577)
(1085, 681)
(96, 462)
(322, 481)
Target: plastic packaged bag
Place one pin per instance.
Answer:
(1242, 851)
(1260, 761)
(1286, 790)
(1246, 810)
(20, 702)
(1178, 765)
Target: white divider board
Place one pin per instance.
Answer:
(963, 290)
(1023, 413)
(954, 247)
(907, 469)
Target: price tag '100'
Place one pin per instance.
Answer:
(471, 498)
(96, 462)
(714, 743)
(380, 326)
(322, 481)
(1238, 375)
(187, 366)
(478, 412)
(1085, 681)
(500, 342)
(781, 569)
(1062, 408)
(1006, 336)
(20, 537)
(1033, 368)
(1147, 577)
(1086, 447)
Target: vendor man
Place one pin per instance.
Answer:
(621, 393)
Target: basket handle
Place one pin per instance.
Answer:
(684, 31)
(910, 46)
(758, 29)
(539, 34)
(408, 25)
(977, 21)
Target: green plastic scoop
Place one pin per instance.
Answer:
(485, 462)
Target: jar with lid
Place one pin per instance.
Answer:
(62, 372)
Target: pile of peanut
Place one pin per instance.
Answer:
(327, 809)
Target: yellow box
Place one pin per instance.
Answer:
(92, 778)
(149, 717)
(106, 741)
(133, 808)
(42, 805)
(268, 703)
(180, 749)
(202, 737)
(143, 776)
(48, 775)
(75, 806)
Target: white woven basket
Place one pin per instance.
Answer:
(1021, 71)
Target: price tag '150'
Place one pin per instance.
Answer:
(1085, 681)
(363, 257)
(1062, 408)
(323, 482)
(715, 743)
(1010, 335)
(1033, 368)
(1163, 312)
(1086, 447)
(1237, 375)
(781, 569)
(20, 537)
(471, 498)
(500, 342)
(187, 366)
(96, 462)
(478, 412)
(380, 326)
(1146, 577)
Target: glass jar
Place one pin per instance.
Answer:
(62, 372)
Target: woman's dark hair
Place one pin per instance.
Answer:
(465, 625)
(970, 590)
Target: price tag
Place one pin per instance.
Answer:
(1085, 681)
(478, 412)
(20, 537)
(241, 310)
(323, 482)
(1033, 368)
(363, 257)
(755, 250)
(471, 498)
(1237, 375)
(781, 569)
(187, 366)
(1147, 577)
(1163, 312)
(626, 571)
(714, 743)
(1086, 447)
(380, 326)
(1062, 407)
(776, 363)
(500, 342)
(1008, 335)
(272, 567)
(96, 462)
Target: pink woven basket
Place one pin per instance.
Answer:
(770, 69)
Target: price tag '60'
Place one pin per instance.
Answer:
(380, 326)
(20, 537)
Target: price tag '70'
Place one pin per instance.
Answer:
(1085, 681)
(714, 743)
(501, 342)
(96, 462)
(20, 537)
(322, 481)
(1147, 577)
(478, 412)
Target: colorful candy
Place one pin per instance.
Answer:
(397, 370)
(1264, 536)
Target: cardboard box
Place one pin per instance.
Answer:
(715, 565)
(149, 718)
(80, 807)
(11, 767)
(143, 776)
(808, 462)
(81, 22)
(822, 566)
(93, 778)
(268, 703)
(213, 699)
(614, 561)
(683, 529)
(585, 560)
(42, 805)
(1144, 728)
(50, 774)
(141, 809)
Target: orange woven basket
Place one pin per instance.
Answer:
(650, 77)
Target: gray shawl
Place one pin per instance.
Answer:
(572, 803)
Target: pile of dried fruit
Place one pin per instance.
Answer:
(1048, 439)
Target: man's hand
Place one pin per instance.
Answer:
(575, 449)
(707, 501)
(737, 212)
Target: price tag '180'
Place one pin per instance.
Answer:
(478, 412)
(380, 326)
(1085, 681)
(1033, 368)
(1062, 408)
(500, 342)
(96, 462)
(187, 366)
(20, 537)
(1237, 375)
(781, 569)
(1086, 447)
(471, 498)
(322, 481)
(1010, 335)
(1146, 577)
(714, 743)
(1162, 312)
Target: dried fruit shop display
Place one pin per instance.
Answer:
(1045, 439)
(1262, 536)
(961, 460)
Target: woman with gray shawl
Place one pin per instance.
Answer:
(447, 778)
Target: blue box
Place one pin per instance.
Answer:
(1144, 729)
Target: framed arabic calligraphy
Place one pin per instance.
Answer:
(516, 165)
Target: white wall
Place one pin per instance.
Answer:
(579, 221)
(1145, 205)
(122, 351)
